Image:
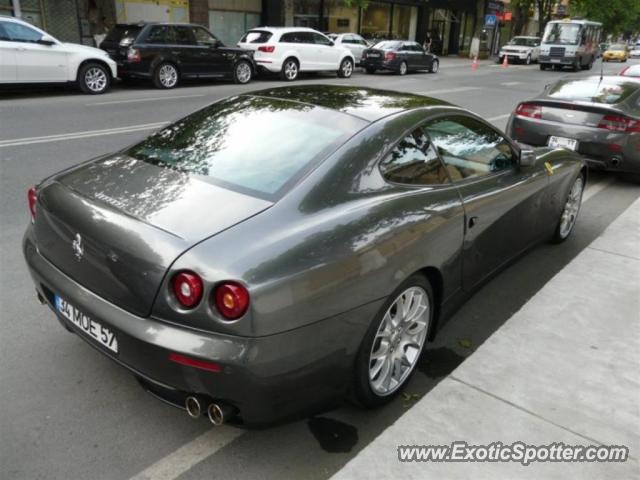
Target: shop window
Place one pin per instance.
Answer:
(339, 18)
(230, 27)
(401, 24)
(376, 19)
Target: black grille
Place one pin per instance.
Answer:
(556, 52)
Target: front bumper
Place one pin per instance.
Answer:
(268, 379)
(601, 149)
(545, 59)
(515, 56)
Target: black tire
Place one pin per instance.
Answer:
(500, 60)
(403, 68)
(290, 70)
(363, 394)
(434, 67)
(559, 235)
(577, 65)
(93, 78)
(166, 75)
(543, 66)
(242, 72)
(346, 68)
(370, 70)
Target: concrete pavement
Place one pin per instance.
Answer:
(564, 368)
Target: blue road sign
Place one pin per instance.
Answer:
(490, 20)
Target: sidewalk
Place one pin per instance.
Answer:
(565, 368)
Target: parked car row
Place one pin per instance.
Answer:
(168, 53)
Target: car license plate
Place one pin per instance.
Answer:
(569, 143)
(89, 326)
(555, 60)
(373, 55)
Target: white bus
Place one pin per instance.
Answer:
(569, 42)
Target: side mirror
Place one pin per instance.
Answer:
(47, 40)
(331, 43)
(527, 158)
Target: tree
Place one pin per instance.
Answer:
(616, 16)
(545, 9)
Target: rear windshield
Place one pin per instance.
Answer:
(608, 91)
(256, 36)
(123, 34)
(257, 145)
(387, 45)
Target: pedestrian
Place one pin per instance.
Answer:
(427, 42)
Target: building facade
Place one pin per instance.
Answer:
(448, 25)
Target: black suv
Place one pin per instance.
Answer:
(168, 52)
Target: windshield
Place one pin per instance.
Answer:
(618, 47)
(387, 45)
(609, 91)
(524, 42)
(258, 145)
(562, 33)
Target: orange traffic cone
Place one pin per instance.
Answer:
(474, 64)
(505, 62)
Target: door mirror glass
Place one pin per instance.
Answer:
(527, 157)
(47, 40)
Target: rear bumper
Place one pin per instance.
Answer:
(268, 379)
(380, 64)
(600, 148)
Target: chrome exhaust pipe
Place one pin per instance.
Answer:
(219, 413)
(192, 406)
(40, 298)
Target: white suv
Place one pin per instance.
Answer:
(30, 55)
(292, 50)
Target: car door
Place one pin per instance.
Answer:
(36, 62)
(405, 53)
(8, 72)
(181, 46)
(502, 202)
(328, 55)
(210, 54)
(304, 46)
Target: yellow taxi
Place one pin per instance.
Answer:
(617, 52)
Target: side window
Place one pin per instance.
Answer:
(417, 48)
(157, 35)
(358, 39)
(3, 33)
(291, 37)
(180, 36)
(20, 33)
(470, 148)
(320, 39)
(203, 37)
(414, 161)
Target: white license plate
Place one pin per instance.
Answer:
(555, 60)
(568, 143)
(86, 324)
(373, 55)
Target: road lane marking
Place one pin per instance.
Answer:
(498, 117)
(595, 188)
(510, 84)
(147, 99)
(186, 457)
(449, 90)
(85, 134)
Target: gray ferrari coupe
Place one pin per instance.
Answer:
(280, 250)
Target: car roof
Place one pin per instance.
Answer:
(283, 29)
(369, 104)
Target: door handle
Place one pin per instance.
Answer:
(473, 221)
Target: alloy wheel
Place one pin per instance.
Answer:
(168, 76)
(434, 66)
(243, 72)
(403, 68)
(571, 208)
(95, 79)
(399, 341)
(290, 70)
(346, 68)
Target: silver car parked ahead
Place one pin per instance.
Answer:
(598, 117)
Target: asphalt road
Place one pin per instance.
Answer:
(68, 412)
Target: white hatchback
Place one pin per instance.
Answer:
(291, 50)
(30, 55)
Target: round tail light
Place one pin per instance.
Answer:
(32, 199)
(231, 299)
(187, 288)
